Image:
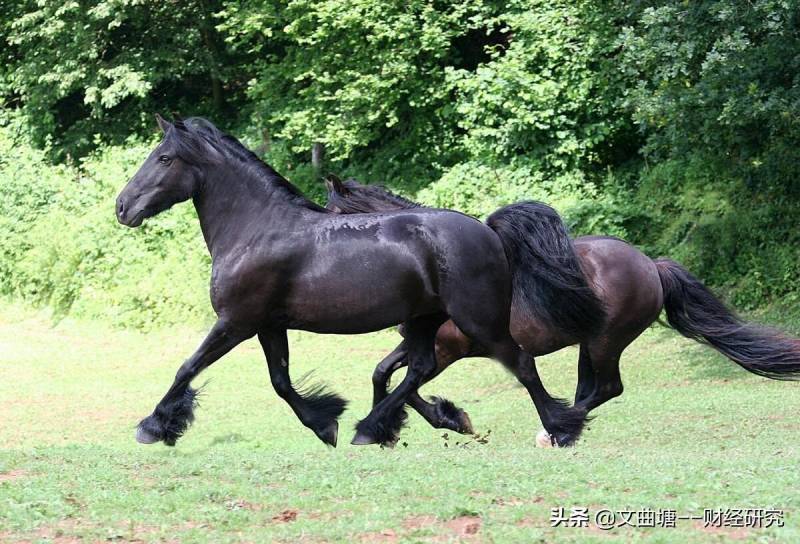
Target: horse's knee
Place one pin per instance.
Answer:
(282, 386)
(186, 371)
(612, 389)
(380, 376)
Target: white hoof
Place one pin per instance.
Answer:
(543, 440)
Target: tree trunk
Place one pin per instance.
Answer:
(209, 35)
(217, 93)
(317, 156)
(263, 147)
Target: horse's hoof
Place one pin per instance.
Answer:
(452, 417)
(564, 441)
(544, 440)
(361, 439)
(144, 437)
(329, 434)
(465, 425)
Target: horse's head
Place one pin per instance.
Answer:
(170, 174)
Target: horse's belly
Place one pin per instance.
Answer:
(536, 337)
(359, 303)
(356, 318)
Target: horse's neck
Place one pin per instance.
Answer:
(233, 207)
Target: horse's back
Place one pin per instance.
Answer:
(455, 240)
(382, 269)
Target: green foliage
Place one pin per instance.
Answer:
(391, 71)
(365, 78)
(61, 246)
(719, 79)
(479, 190)
(540, 98)
(717, 96)
(672, 124)
(80, 69)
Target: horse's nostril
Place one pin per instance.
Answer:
(120, 208)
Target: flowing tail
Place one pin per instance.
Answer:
(694, 311)
(548, 282)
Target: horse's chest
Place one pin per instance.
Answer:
(245, 292)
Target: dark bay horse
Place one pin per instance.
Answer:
(281, 262)
(633, 289)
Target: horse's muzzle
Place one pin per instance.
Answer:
(124, 215)
(120, 208)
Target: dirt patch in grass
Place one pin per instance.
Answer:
(12, 475)
(287, 516)
(465, 526)
(462, 527)
(387, 536)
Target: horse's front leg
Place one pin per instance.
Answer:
(383, 423)
(383, 372)
(440, 413)
(173, 415)
(317, 408)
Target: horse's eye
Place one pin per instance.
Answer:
(163, 159)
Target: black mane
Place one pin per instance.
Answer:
(192, 136)
(360, 198)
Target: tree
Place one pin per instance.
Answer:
(80, 69)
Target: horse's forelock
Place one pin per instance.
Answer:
(193, 137)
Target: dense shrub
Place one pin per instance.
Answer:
(61, 245)
(672, 124)
(479, 189)
(733, 237)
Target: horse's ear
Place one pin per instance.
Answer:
(335, 185)
(163, 124)
(177, 121)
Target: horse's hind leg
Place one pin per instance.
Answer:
(586, 377)
(604, 356)
(440, 413)
(607, 378)
(597, 383)
(564, 423)
(316, 408)
(606, 381)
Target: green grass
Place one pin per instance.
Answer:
(691, 431)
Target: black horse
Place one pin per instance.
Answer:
(280, 261)
(632, 288)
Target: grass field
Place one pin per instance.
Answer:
(691, 431)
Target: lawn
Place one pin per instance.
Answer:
(691, 431)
